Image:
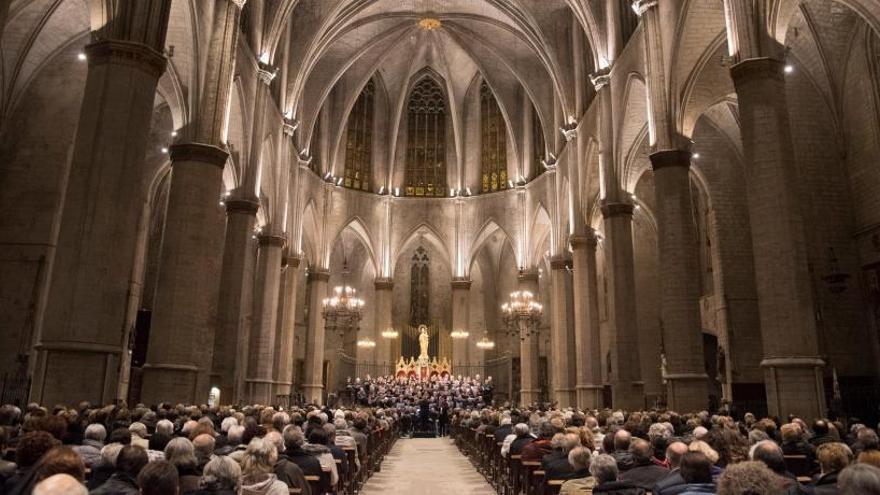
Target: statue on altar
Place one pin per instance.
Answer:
(423, 343)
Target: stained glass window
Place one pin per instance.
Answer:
(359, 141)
(493, 143)
(426, 141)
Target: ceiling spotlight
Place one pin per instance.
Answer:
(81, 56)
(164, 150)
(695, 156)
(788, 69)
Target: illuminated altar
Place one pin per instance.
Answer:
(423, 369)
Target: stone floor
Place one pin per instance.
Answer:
(426, 466)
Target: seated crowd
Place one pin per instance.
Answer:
(187, 449)
(665, 453)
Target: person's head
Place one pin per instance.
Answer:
(181, 453)
(158, 478)
(203, 445)
(768, 452)
(259, 458)
(138, 429)
(235, 435)
(748, 478)
(293, 437)
(158, 441)
(131, 460)
(701, 446)
(833, 456)
(859, 479)
(32, 446)
(276, 440)
(569, 441)
(110, 452)
(867, 439)
(521, 429)
(871, 457)
(60, 484)
(165, 426)
(791, 432)
(641, 450)
(604, 468)
(820, 428)
(674, 452)
(60, 460)
(695, 467)
(221, 473)
(621, 440)
(96, 432)
(579, 458)
(318, 436)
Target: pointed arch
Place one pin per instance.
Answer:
(540, 232)
(362, 233)
(425, 163)
(427, 232)
(310, 235)
(489, 228)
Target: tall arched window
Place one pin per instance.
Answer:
(493, 142)
(426, 141)
(538, 143)
(359, 141)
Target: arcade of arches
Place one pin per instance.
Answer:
(691, 190)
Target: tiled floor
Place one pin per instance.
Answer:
(426, 466)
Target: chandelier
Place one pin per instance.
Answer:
(366, 342)
(485, 344)
(390, 333)
(459, 334)
(342, 311)
(522, 314)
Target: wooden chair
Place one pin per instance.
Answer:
(552, 487)
(314, 484)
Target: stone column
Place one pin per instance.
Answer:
(792, 367)
(261, 362)
(561, 338)
(685, 373)
(179, 357)
(626, 385)
(461, 290)
(313, 381)
(235, 300)
(86, 325)
(386, 349)
(529, 352)
(284, 353)
(586, 321)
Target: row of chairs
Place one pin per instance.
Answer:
(379, 442)
(508, 475)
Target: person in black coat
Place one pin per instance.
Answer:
(644, 473)
(555, 464)
(604, 470)
(293, 452)
(673, 483)
(129, 463)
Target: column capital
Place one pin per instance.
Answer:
(239, 3)
(247, 206)
(383, 283)
(588, 240)
(642, 6)
(757, 68)
(612, 209)
(560, 262)
(271, 240)
(290, 260)
(289, 126)
(670, 158)
(319, 275)
(461, 283)
(118, 52)
(601, 78)
(198, 152)
(265, 73)
(528, 275)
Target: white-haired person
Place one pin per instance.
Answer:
(257, 470)
(93, 442)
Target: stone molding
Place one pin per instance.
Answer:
(560, 262)
(793, 362)
(757, 68)
(266, 73)
(319, 275)
(610, 210)
(242, 205)
(528, 275)
(199, 152)
(136, 55)
(670, 158)
(461, 283)
(271, 240)
(383, 283)
(642, 6)
(290, 260)
(589, 240)
(601, 78)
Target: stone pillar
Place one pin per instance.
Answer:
(561, 337)
(284, 350)
(261, 361)
(461, 289)
(313, 381)
(386, 349)
(626, 385)
(529, 352)
(179, 357)
(792, 367)
(685, 373)
(86, 325)
(236, 296)
(586, 321)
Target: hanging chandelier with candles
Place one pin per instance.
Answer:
(343, 311)
(521, 314)
(459, 334)
(390, 333)
(366, 343)
(485, 343)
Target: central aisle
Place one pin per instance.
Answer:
(426, 466)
